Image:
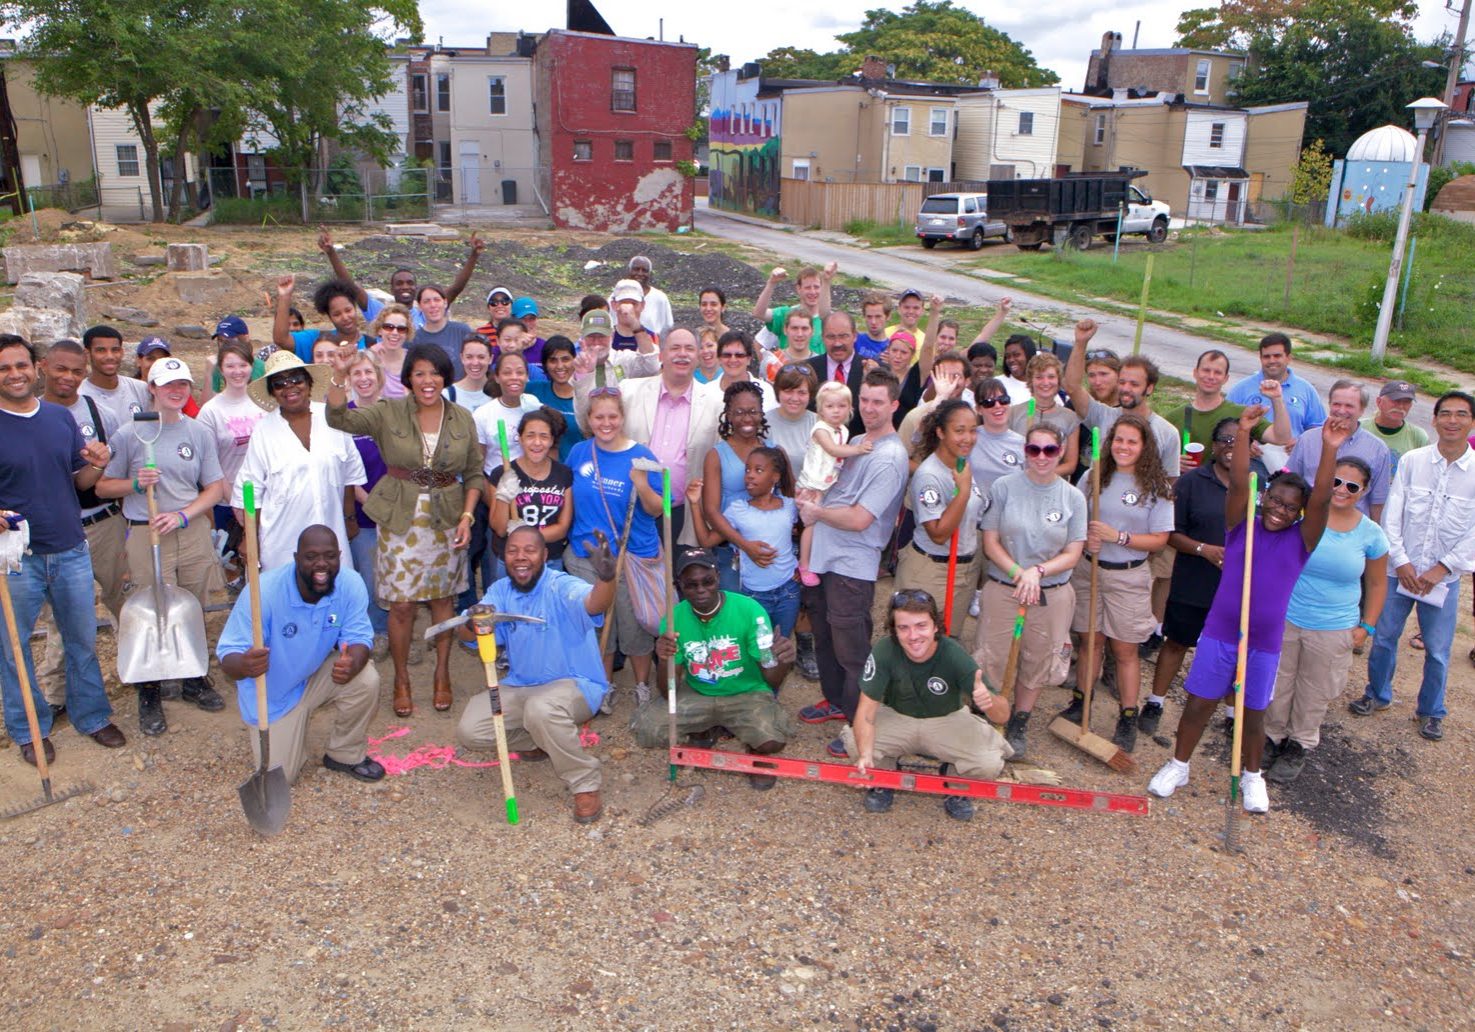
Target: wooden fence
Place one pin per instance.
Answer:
(812, 203)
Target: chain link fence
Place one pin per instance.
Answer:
(257, 194)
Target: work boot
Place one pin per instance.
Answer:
(1149, 716)
(1270, 754)
(1288, 763)
(959, 808)
(1014, 734)
(202, 693)
(1074, 711)
(878, 800)
(806, 662)
(1125, 735)
(150, 709)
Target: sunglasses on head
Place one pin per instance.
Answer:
(796, 367)
(1034, 451)
(1351, 486)
(910, 595)
(605, 392)
(994, 402)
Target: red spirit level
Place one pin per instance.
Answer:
(932, 784)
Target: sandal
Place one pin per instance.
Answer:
(441, 699)
(1416, 642)
(403, 705)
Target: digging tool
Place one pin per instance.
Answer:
(483, 622)
(1011, 665)
(265, 795)
(1241, 659)
(907, 781)
(952, 570)
(1080, 736)
(19, 658)
(670, 618)
(466, 617)
(646, 466)
(161, 631)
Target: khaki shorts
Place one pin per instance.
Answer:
(915, 570)
(1161, 563)
(1123, 603)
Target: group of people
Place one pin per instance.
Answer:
(403, 458)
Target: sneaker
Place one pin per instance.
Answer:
(642, 693)
(836, 748)
(607, 704)
(202, 693)
(807, 663)
(702, 739)
(1149, 648)
(959, 808)
(1169, 778)
(1252, 792)
(1290, 757)
(1366, 706)
(820, 712)
(1125, 735)
(1014, 734)
(879, 800)
(1074, 711)
(1270, 754)
(1149, 716)
(1433, 729)
(975, 604)
(150, 710)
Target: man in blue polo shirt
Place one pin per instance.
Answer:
(46, 460)
(556, 680)
(317, 638)
(1303, 404)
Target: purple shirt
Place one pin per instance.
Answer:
(1280, 556)
(374, 468)
(668, 436)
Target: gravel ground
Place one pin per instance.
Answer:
(148, 902)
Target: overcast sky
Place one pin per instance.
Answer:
(1061, 36)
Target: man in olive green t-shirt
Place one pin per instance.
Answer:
(1209, 406)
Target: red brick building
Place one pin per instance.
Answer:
(612, 115)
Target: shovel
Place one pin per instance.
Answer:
(265, 796)
(47, 795)
(161, 632)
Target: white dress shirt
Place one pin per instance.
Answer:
(1430, 515)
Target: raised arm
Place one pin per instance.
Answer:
(826, 277)
(1280, 427)
(1075, 368)
(340, 271)
(928, 352)
(474, 250)
(1334, 433)
(760, 306)
(1239, 467)
(281, 323)
(992, 326)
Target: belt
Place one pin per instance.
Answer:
(1009, 584)
(1121, 566)
(98, 517)
(424, 477)
(940, 558)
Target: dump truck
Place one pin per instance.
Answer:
(1076, 208)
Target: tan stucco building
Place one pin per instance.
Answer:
(855, 134)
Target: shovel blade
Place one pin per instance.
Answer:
(267, 800)
(167, 645)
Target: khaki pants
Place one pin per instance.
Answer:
(353, 706)
(540, 716)
(915, 570)
(754, 718)
(1312, 673)
(187, 558)
(1042, 655)
(968, 742)
(110, 571)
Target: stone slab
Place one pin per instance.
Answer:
(94, 259)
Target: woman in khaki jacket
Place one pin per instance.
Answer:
(424, 504)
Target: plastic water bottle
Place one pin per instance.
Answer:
(765, 643)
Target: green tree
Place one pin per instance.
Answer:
(1235, 24)
(1312, 176)
(799, 63)
(934, 41)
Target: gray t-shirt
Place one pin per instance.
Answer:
(448, 338)
(122, 401)
(83, 417)
(876, 482)
(1061, 418)
(931, 491)
(995, 456)
(186, 456)
(791, 436)
(1169, 443)
(1034, 521)
(1125, 507)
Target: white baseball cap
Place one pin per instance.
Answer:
(627, 290)
(169, 370)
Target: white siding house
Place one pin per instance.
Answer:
(395, 105)
(492, 138)
(1007, 134)
(122, 172)
(1213, 157)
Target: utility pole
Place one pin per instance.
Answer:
(1456, 65)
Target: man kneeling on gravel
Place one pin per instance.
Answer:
(912, 702)
(317, 638)
(555, 680)
(732, 663)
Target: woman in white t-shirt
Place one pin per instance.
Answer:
(231, 416)
(470, 392)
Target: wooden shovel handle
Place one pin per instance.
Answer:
(253, 585)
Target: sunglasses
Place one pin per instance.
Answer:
(1350, 486)
(605, 392)
(994, 402)
(287, 380)
(394, 327)
(911, 595)
(796, 367)
(734, 355)
(1101, 353)
(1224, 440)
(1034, 451)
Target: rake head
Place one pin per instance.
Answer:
(46, 799)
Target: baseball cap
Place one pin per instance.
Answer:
(696, 557)
(627, 290)
(169, 370)
(231, 326)
(596, 321)
(150, 344)
(1398, 390)
(910, 292)
(524, 306)
(499, 290)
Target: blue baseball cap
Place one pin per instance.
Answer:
(151, 344)
(231, 326)
(524, 306)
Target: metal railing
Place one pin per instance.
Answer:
(73, 196)
(262, 194)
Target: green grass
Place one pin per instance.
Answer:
(877, 234)
(1336, 283)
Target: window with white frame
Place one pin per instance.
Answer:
(937, 122)
(1236, 69)
(801, 168)
(583, 150)
(936, 175)
(622, 89)
(1216, 134)
(1099, 136)
(497, 94)
(127, 159)
(901, 121)
(419, 97)
(1026, 123)
(1211, 190)
(1201, 77)
(443, 91)
(912, 173)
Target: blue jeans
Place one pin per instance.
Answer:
(782, 606)
(362, 549)
(65, 580)
(727, 571)
(1436, 624)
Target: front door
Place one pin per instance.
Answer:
(1232, 212)
(470, 174)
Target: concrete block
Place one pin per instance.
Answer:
(95, 259)
(200, 288)
(40, 326)
(187, 257)
(54, 291)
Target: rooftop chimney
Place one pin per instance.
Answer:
(873, 68)
(989, 80)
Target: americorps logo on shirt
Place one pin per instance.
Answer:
(289, 631)
(930, 497)
(1054, 516)
(1130, 498)
(1010, 459)
(937, 686)
(185, 452)
(870, 670)
(87, 431)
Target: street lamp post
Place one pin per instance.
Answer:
(1426, 112)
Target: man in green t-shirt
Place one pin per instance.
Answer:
(1390, 423)
(915, 694)
(1209, 406)
(813, 288)
(731, 666)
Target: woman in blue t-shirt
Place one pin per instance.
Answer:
(1325, 622)
(607, 486)
(557, 391)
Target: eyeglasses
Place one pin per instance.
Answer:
(1267, 502)
(1224, 440)
(605, 392)
(1034, 451)
(734, 355)
(1350, 486)
(994, 402)
(294, 379)
(394, 327)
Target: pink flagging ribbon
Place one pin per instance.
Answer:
(439, 757)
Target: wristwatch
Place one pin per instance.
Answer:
(1199, 549)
